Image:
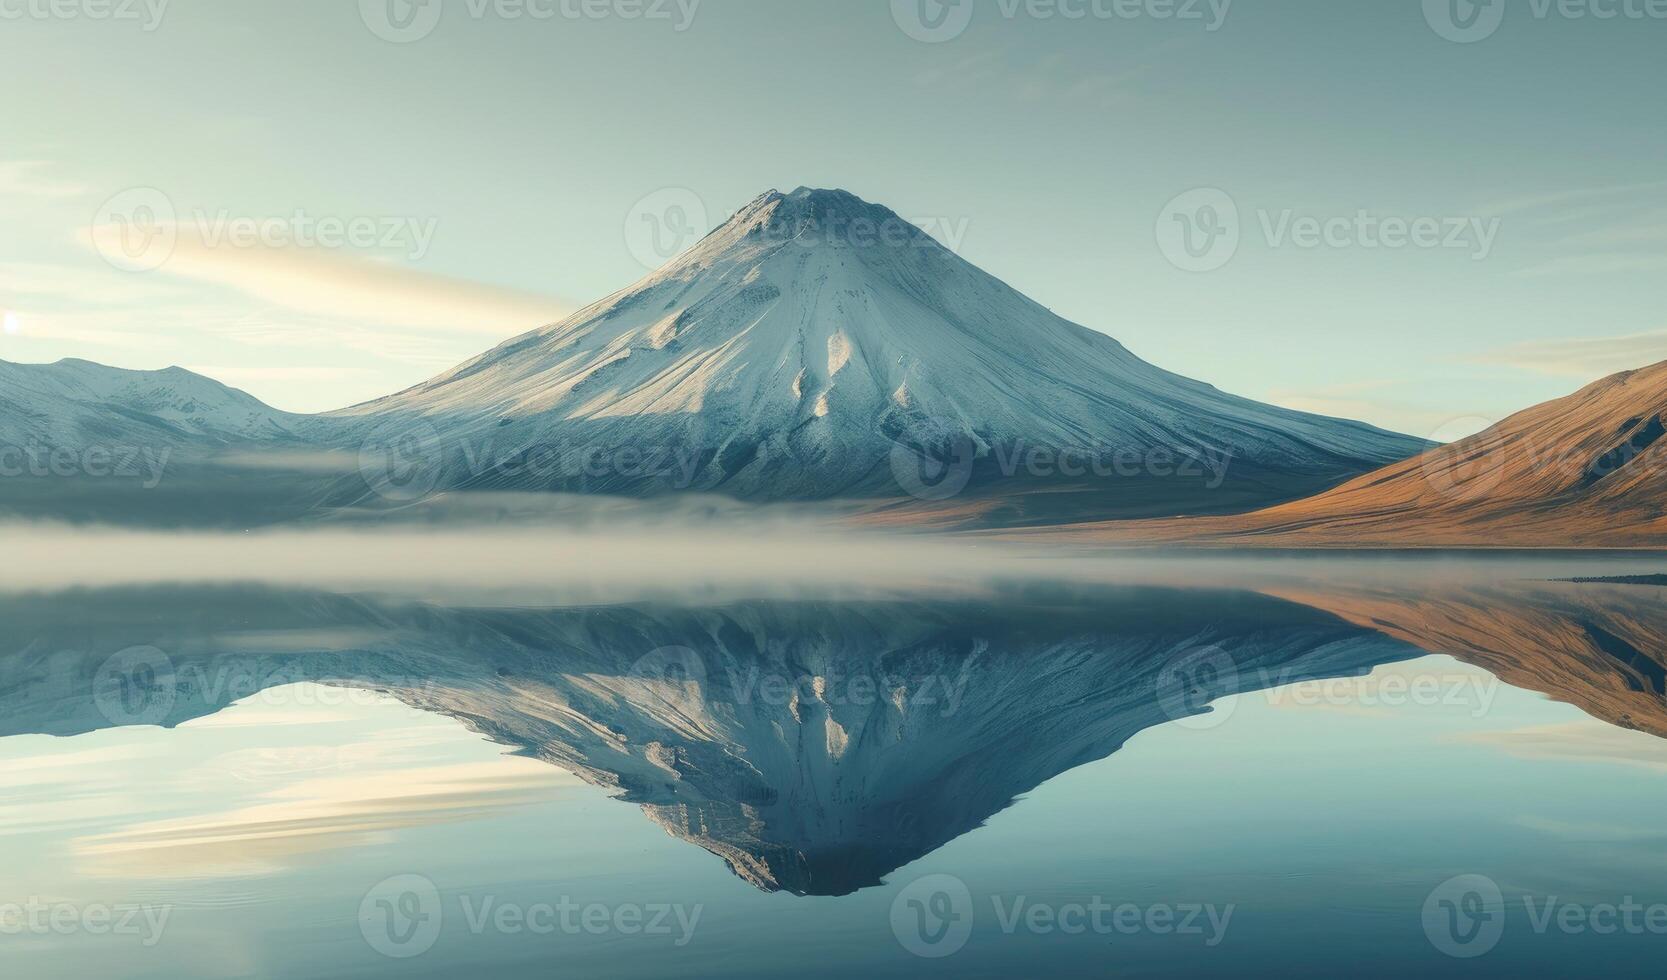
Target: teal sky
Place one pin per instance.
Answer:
(501, 161)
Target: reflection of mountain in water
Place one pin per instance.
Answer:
(815, 747)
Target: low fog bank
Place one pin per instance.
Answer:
(513, 565)
(615, 553)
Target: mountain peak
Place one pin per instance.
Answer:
(833, 214)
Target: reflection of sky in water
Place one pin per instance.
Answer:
(1325, 814)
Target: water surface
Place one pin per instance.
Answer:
(1412, 766)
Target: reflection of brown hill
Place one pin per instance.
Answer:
(1597, 647)
(1581, 471)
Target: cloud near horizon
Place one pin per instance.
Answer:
(323, 282)
(302, 327)
(1586, 358)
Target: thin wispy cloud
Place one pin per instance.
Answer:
(1616, 263)
(278, 328)
(1583, 741)
(1050, 77)
(37, 179)
(1587, 358)
(90, 284)
(1563, 200)
(302, 805)
(1613, 230)
(305, 328)
(1363, 401)
(347, 286)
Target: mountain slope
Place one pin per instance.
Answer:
(77, 404)
(1580, 471)
(789, 352)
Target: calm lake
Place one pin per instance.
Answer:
(1440, 766)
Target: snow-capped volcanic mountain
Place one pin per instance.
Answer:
(75, 404)
(791, 351)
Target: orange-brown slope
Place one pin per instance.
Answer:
(1596, 647)
(1582, 471)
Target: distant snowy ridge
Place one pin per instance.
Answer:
(75, 404)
